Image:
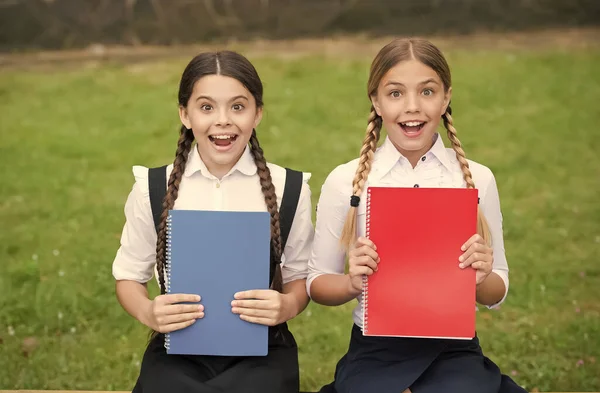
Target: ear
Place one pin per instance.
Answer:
(447, 98)
(258, 117)
(183, 116)
(375, 102)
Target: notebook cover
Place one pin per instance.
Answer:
(215, 254)
(419, 290)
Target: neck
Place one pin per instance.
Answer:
(219, 170)
(414, 156)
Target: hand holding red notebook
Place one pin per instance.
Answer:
(419, 289)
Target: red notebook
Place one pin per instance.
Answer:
(419, 290)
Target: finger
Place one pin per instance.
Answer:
(475, 247)
(482, 266)
(260, 321)
(172, 309)
(179, 298)
(176, 326)
(260, 294)
(467, 254)
(368, 251)
(361, 271)
(251, 312)
(364, 261)
(475, 257)
(476, 238)
(169, 319)
(255, 304)
(363, 241)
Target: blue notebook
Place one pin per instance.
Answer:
(215, 254)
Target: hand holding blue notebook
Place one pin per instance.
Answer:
(215, 254)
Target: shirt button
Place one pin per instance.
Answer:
(423, 158)
(218, 185)
(416, 186)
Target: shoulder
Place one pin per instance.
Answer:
(140, 174)
(482, 175)
(279, 174)
(337, 188)
(341, 176)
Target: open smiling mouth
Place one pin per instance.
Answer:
(222, 140)
(412, 127)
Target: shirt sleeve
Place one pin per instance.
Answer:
(298, 246)
(136, 257)
(328, 255)
(490, 207)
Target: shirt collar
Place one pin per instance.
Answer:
(245, 164)
(440, 152)
(387, 156)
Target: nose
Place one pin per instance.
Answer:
(223, 119)
(412, 103)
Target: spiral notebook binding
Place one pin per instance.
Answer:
(167, 271)
(365, 283)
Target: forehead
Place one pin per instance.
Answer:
(219, 87)
(410, 72)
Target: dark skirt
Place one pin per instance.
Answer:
(393, 364)
(277, 372)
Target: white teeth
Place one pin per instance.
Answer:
(413, 123)
(222, 136)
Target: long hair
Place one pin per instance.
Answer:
(393, 53)
(234, 65)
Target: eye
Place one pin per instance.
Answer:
(428, 92)
(395, 94)
(206, 107)
(237, 107)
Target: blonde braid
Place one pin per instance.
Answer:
(367, 153)
(482, 226)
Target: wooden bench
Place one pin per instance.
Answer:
(86, 391)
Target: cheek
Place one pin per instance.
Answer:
(245, 125)
(433, 107)
(390, 111)
(245, 122)
(200, 120)
(434, 124)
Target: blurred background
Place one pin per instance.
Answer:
(74, 23)
(88, 88)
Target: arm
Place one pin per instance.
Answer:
(294, 264)
(296, 298)
(490, 262)
(133, 297)
(333, 289)
(270, 307)
(133, 267)
(493, 290)
(327, 282)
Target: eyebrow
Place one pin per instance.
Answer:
(430, 80)
(211, 99)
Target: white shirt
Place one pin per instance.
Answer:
(238, 190)
(437, 168)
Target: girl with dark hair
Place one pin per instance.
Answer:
(219, 165)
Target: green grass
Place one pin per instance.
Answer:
(69, 138)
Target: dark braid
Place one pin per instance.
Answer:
(271, 200)
(234, 65)
(184, 145)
